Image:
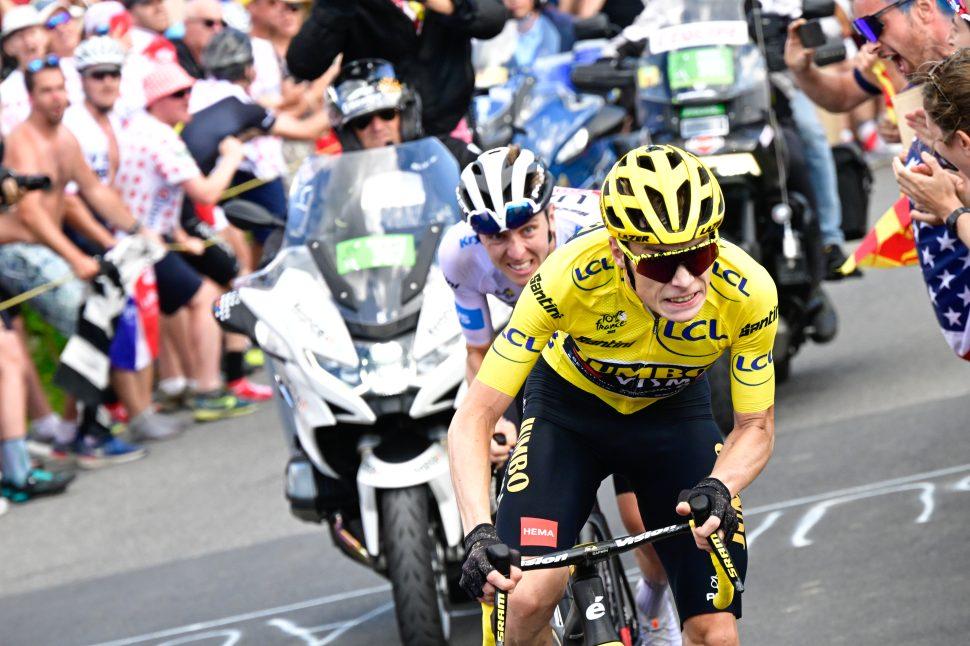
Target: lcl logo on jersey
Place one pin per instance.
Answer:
(694, 331)
(731, 277)
(753, 371)
(582, 276)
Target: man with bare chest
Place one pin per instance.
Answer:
(42, 145)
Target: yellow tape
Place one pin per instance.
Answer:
(66, 278)
(36, 291)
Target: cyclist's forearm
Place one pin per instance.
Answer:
(468, 440)
(746, 450)
(473, 362)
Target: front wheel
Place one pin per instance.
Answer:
(416, 567)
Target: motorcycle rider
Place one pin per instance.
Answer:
(371, 106)
(513, 220)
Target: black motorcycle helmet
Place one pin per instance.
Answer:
(227, 55)
(366, 86)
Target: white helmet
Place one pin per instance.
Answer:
(99, 51)
(503, 189)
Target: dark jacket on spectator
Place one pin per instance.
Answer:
(187, 60)
(436, 62)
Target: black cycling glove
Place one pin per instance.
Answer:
(720, 499)
(477, 566)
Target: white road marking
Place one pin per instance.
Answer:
(235, 619)
(840, 495)
(800, 536)
(231, 636)
(798, 502)
(750, 536)
(356, 622)
(307, 634)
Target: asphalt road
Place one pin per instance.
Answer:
(856, 527)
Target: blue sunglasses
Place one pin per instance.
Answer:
(516, 214)
(48, 62)
(870, 27)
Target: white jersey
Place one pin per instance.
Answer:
(472, 276)
(93, 139)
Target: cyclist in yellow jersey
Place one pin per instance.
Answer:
(612, 338)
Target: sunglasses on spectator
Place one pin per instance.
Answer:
(293, 7)
(58, 19)
(362, 122)
(870, 27)
(100, 75)
(181, 94)
(516, 214)
(208, 23)
(663, 266)
(48, 62)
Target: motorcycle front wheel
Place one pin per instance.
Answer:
(415, 566)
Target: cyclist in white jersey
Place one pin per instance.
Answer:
(513, 219)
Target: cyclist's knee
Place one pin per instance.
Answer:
(533, 602)
(717, 629)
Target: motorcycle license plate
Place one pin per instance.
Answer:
(713, 126)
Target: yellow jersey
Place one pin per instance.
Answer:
(580, 313)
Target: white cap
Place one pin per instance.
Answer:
(20, 17)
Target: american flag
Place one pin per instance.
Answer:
(945, 262)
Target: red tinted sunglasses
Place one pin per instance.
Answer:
(663, 266)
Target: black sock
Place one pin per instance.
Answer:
(234, 366)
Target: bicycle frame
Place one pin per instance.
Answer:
(584, 558)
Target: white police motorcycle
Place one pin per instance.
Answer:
(368, 359)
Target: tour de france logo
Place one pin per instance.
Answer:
(610, 323)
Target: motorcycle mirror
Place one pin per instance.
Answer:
(232, 315)
(781, 213)
(248, 215)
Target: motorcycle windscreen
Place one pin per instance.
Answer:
(372, 220)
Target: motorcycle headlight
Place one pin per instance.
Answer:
(350, 376)
(438, 355)
(386, 370)
(574, 147)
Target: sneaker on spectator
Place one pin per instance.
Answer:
(40, 482)
(50, 455)
(97, 452)
(246, 390)
(167, 403)
(219, 404)
(118, 412)
(659, 624)
(254, 359)
(151, 426)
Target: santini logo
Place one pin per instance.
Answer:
(751, 328)
(535, 283)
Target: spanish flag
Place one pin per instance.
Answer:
(889, 244)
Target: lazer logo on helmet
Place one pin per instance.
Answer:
(751, 328)
(535, 284)
(694, 331)
(731, 277)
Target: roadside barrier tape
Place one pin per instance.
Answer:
(66, 278)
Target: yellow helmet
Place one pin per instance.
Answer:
(660, 195)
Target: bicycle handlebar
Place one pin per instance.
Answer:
(728, 580)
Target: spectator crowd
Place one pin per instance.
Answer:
(100, 97)
(94, 96)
